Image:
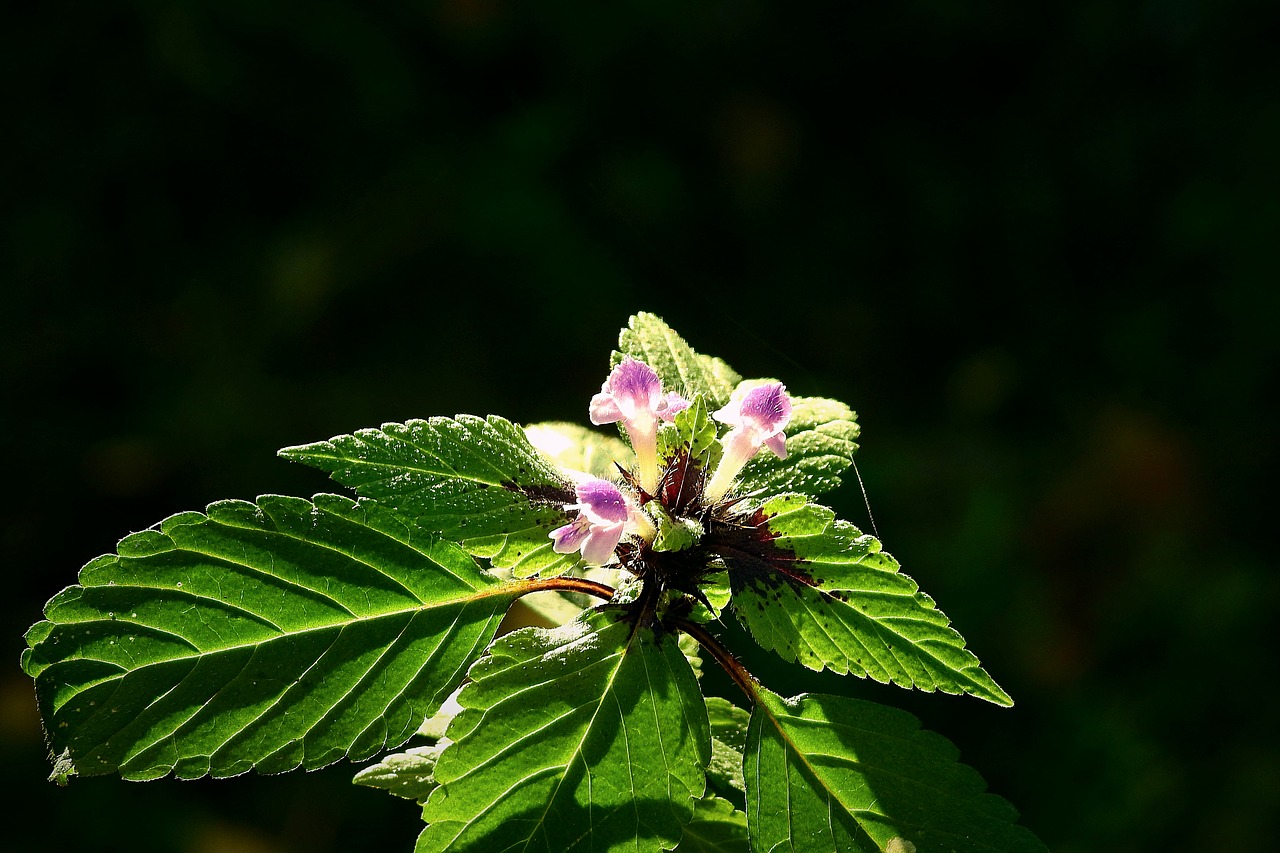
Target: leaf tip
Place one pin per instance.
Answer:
(998, 696)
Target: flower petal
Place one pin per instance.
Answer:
(570, 537)
(634, 389)
(598, 548)
(601, 501)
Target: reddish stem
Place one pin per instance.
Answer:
(582, 585)
(745, 680)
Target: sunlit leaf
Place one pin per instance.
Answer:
(691, 451)
(821, 441)
(592, 736)
(267, 636)
(573, 447)
(477, 481)
(649, 339)
(818, 591)
(408, 774)
(728, 737)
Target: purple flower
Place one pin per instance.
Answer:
(758, 418)
(633, 394)
(603, 512)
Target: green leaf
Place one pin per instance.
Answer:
(652, 341)
(728, 737)
(265, 636)
(819, 591)
(716, 828)
(689, 450)
(575, 448)
(826, 773)
(821, 440)
(591, 736)
(476, 481)
(407, 774)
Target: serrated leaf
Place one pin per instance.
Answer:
(820, 592)
(689, 450)
(821, 441)
(269, 636)
(408, 774)
(476, 481)
(826, 773)
(649, 339)
(717, 827)
(592, 736)
(571, 447)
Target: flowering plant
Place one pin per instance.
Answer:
(292, 633)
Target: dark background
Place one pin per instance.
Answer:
(1034, 245)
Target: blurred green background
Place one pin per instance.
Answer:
(1034, 245)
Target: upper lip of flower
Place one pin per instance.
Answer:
(633, 395)
(758, 417)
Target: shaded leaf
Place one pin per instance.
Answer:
(265, 636)
(477, 481)
(818, 591)
(826, 773)
(649, 339)
(728, 737)
(592, 736)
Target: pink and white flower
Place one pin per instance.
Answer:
(633, 394)
(603, 516)
(758, 417)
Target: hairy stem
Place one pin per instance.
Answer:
(730, 664)
(562, 584)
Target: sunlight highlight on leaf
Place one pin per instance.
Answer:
(260, 636)
(591, 736)
(476, 481)
(820, 592)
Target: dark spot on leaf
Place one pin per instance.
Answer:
(754, 559)
(543, 494)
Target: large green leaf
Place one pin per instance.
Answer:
(477, 481)
(591, 736)
(826, 774)
(652, 341)
(819, 591)
(270, 636)
(821, 440)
